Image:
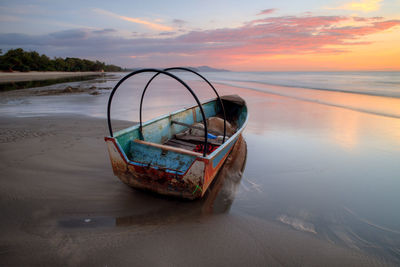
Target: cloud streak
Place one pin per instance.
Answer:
(271, 36)
(151, 25)
(267, 11)
(288, 35)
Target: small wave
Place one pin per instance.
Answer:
(371, 93)
(371, 223)
(252, 186)
(297, 223)
(378, 113)
(388, 82)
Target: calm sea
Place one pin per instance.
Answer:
(359, 88)
(373, 83)
(370, 92)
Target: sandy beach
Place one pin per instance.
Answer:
(7, 77)
(319, 187)
(61, 205)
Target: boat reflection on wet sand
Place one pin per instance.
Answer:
(218, 199)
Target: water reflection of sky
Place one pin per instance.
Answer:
(325, 170)
(328, 171)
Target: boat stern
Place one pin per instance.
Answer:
(185, 179)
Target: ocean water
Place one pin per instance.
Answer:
(369, 92)
(323, 147)
(371, 83)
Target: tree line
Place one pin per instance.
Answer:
(20, 60)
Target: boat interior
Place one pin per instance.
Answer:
(183, 131)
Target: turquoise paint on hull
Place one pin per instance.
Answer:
(160, 129)
(210, 110)
(124, 138)
(218, 158)
(159, 159)
(153, 167)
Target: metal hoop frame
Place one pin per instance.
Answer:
(194, 72)
(165, 72)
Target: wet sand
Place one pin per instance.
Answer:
(61, 205)
(7, 77)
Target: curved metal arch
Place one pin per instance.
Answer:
(157, 73)
(194, 72)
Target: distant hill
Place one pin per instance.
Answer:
(209, 69)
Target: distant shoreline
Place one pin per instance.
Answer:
(10, 77)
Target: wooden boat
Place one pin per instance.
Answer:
(218, 198)
(176, 154)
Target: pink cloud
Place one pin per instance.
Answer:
(288, 35)
(356, 32)
(282, 35)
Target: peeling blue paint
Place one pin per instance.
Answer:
(156, 158)
(160, 129)
(217, 159)
(210, 109)
(144, 164)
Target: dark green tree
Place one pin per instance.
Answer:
(20, 60)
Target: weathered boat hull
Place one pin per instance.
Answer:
(190, 185)
(164, 169)
(162, 155)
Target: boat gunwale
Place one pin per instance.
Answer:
(142, 164)
(166, 147)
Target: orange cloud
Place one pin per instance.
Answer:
(363, 5)
(152, 25)
(271, 43)
(289, 35)
(304, 43)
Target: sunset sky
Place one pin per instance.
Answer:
(252, 35)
